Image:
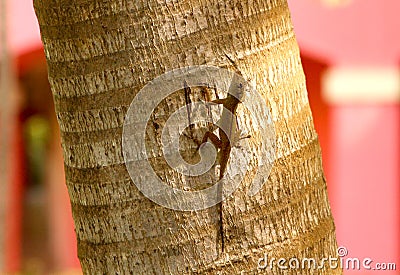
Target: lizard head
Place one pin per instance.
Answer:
(237, 91)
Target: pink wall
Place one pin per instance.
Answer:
(23, 29)
(365, 178)
(23, 37)
(363, 32)
(364, 138)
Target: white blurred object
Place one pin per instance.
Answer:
(336, 3)
(362, 85)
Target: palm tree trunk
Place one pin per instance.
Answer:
(100, 54)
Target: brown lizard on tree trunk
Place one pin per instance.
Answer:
(226, 137)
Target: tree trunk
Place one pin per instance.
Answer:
(100, 54)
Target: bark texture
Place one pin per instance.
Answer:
(100, 54)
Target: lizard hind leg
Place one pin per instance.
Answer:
(209, 136)
(213, 138)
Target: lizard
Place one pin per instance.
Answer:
(224, 141)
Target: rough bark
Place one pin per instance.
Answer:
(100, 54)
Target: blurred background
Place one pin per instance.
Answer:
(351, 57)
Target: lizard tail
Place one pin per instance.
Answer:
(221, 227)
(221, 213)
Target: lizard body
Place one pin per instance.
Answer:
(225, 139)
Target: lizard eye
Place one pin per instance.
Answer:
(239, 93)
